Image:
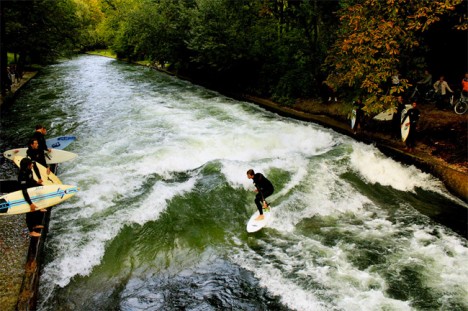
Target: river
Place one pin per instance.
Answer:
(159, 221)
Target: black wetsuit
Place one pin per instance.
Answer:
(265, 189)
(26, 180)
(413, 114)
(37, 155)
(41, 141)
(396, 121)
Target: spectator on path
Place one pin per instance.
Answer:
(329, 91)
(414, 115)
(465, 85)
(426, 82)
(441, 87)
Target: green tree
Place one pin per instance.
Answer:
(41, 30)
(303, 38)
(90, 17)
(37, 31)
(374, 37)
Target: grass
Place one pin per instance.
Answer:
(107, 53)
(11, 58)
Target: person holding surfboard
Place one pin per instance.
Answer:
(396, 120)
(26, 180)
(359, 115)
(264, 189)
(413, 115)
(37, 155)
(39, 134)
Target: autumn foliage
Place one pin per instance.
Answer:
(374, 38)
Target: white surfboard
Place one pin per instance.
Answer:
(60, 142)
(353, 118)
(386, 115)
(403, 115)
(43, 197)
(405, 129)
(53, 157)
(255, 225)
(47, 179)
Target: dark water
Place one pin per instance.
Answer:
(159, 222)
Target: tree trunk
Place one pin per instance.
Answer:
(3, 53)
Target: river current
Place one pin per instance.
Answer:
(159, 221)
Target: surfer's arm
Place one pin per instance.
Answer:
(24, 190)
(38, 173)
(32, 206)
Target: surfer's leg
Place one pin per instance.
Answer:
(266, 194)
(258, 202)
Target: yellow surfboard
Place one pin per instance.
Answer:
(43, 197)
(53, 157)
(47, 179)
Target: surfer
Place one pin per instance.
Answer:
(413, 114)
(37, 155)
(396, 120)
(26, 180)
(39, 134)
(359, 115)
(264, 189)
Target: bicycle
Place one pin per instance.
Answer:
(428, 96)
(460, 106)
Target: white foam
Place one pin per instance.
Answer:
(133, 145)
(81, 249)
(376, 168)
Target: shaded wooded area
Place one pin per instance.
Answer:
(277, 49)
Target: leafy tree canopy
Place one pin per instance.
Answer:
(375, 38)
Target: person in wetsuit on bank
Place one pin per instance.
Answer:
(264, 189)
(26, 180)
(37, 155)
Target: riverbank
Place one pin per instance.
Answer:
(20, 275)
(11, 95)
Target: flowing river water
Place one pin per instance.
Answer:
(159, 222)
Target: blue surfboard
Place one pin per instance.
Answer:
(60, 142)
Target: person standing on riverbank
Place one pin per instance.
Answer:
(441, 87)
(464, 85)
(37, 155)
(414, 115)
(39, 134)
(426, 82)
(26, 180)
(396, 120)
(358, 105)
(264, 189)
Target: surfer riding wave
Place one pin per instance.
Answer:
(264, 189)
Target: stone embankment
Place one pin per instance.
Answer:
(20, 255)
